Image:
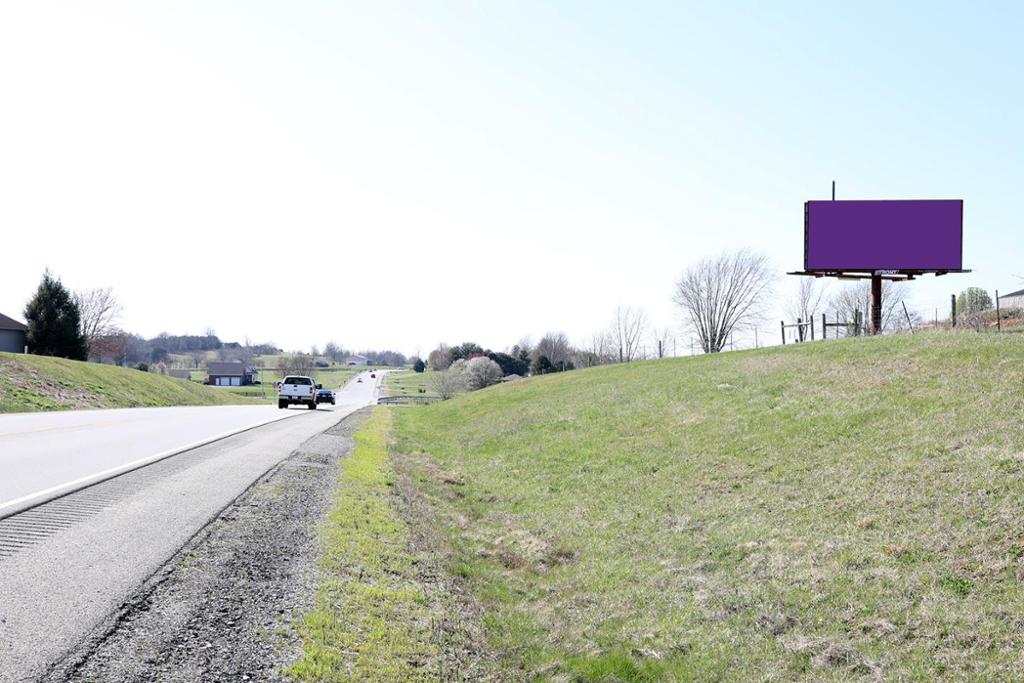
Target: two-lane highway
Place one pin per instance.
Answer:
(69, 564)
(44, 455)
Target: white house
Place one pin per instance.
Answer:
(1012, 300)
(357, 360)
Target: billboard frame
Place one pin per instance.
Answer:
(876, 276)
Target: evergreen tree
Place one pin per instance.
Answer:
(53, 322)
(541, 365)
(419, 366)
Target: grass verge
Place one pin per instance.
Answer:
(372, 619)
(827, 511)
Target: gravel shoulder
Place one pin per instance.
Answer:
(226, 606)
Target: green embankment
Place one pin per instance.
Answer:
(824, 511)
(31, 383)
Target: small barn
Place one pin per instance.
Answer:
(13, 335)
(357, 360)
(1012, 300)
(229, 374)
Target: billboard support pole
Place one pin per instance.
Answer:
(876, 304)
(833, 190)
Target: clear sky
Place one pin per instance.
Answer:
(451, 171)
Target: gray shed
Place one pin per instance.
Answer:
(13, 335)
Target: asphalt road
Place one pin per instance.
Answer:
(68, 565)
(43, 455)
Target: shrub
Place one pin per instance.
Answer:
(480, 372)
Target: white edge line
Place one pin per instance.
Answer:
(32, 500)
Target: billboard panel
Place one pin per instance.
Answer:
(906, 234)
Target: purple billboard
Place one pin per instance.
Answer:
(912, 234)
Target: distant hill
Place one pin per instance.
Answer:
(30, 383)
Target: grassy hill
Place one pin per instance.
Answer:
(825, 511)
(30, 383)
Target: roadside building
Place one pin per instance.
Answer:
(1012, 300)
(357, 360)
(13, 335)
(230, 374)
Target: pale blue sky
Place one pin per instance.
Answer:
(517, 167)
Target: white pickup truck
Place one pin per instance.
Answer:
(297, 389)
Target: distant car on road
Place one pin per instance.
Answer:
(373, 375)
(297, 389)
(359, 379)
(325, 396)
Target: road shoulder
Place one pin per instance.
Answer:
(225, 607)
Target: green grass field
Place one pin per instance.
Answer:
(31, 383)
(407, 383)
(824, 511)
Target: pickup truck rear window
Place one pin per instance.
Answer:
(297, 380)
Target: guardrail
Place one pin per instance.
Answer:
(399, 400)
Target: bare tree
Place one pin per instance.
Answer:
(857, 298)
(554, 345)
(628, 327)
(446, 383)
(333, 351)
(98, 313)
(809, 299)
(661, 338)
(806, 304)
(439, 359)
(598, 351)
(109, 347)
(296, 364)
(721, 294)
